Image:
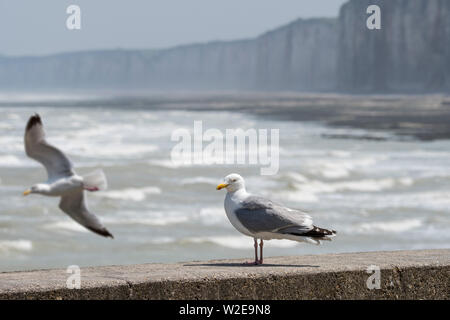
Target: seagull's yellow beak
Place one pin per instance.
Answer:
(26, 192)
(221, 186)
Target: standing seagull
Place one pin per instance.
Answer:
(263, 219)
(62, 180)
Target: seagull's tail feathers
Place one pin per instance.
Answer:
(95, 180)
(313, 236)
(319, 233)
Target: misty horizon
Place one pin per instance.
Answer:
(180, 45)
(39, 28)
(325, 54)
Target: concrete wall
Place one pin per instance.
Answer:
(421, 274)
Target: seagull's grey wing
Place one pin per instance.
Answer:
(258, 214)
(75, 205)
(36, 147)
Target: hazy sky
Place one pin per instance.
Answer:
(35, 27)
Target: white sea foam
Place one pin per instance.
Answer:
(197, 180)
(11, 144)
(162, 221)
(133, 194)
(11, 161)
(177, 164)
(6, 126)
(7, 246)
(309, 191)
(340, 153)
(119, 150)
(106, 150)
(68, 225)
(390, 227)
(212, 215)
(239, 242)
(146, 220)
(297, 177)
(429, 200)
(338, 168)
(167, 164)
(148, 217)
(161, 240)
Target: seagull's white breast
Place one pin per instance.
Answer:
(232, 203)
(67, 185)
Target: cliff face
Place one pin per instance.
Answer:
(410, 53)
(298, 56)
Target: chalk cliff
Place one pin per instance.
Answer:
(298, 56)
(411, 53)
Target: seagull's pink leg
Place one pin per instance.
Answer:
(256, 254)
(256, 251)
(91, 189)
(261, 244)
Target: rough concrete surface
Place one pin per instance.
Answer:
(421, 274)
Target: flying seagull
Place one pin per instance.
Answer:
(62, 180)
(260, 218)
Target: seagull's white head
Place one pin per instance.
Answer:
(232, 182)
(37, 188)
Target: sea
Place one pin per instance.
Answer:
(378, 194)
